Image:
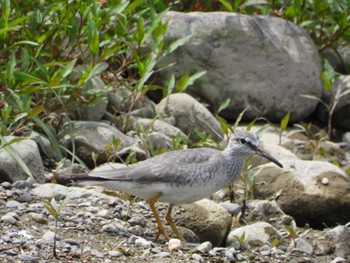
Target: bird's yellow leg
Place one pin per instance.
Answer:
(161, 229)
(170, 221)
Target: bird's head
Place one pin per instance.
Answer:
(247, 143)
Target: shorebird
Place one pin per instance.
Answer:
(182, 176)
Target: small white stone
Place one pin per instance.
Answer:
(141, 242)
(325, 181)
(197, 258)
(174, 244)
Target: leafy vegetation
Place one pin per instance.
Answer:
(54, 52)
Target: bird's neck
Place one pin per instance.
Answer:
(235, 162)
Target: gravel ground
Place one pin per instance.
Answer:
(101, 228)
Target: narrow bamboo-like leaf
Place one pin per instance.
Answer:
(169, 86)
(20, 116)
(26, 42)
(132, 6)
(18, 159)
(28, 78)
(52, 137)
(224, 104)
(285, 121)
(227, 5)
(93, 39)
(98, 69)
(35, 112)
(49, 208)
(223, 124)
(177, 43)
(68, 68)
(327, 83)
(238, 120)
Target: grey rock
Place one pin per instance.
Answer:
(141, 242)
(159, 126)
(163, 255)
(302, 245)
(187, 114)
(6, 185)
(232, 208)
(239, 51)
(205, 247)
(340, 240)
(28, 151)
(208, 220)
(38, 218)
(25, 197)
(264, 210)
(298, 183)
(159, 141)
(22, 184)
(339, 57)
(9, 218)
(12, 204)
(116, 228)
(115, 253)
(47, 239)
(256, 234)
(94, 137)
(338, 260)
(197, 258)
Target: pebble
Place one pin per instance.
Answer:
(9, 218)
(115, 228)
(232, 208)
(115, 253)
(22, 184)
(163, 254)
(6, 185)
(25, 197)
(38, 218)
(141, 242)
(25, 257)
(174, 244)
(338, 260)
(325, 181)
(205, 247)
(12, 204)
(197, 258)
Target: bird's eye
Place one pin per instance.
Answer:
(242, 141)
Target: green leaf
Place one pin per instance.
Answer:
(29, 79)
(238, 120)
(51, 136)
(26, 42)
(285, 121)
(131, 7)
(327, 83)
(68, 68)
(17, 158)
(224, 105)
(177, 43)
(35, 112)
(50, 208)
(98, 69)
(223, 124)
(93, 39)
(169, 86)
(187, 80)
(227, 5)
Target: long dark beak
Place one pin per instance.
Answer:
(262, 153)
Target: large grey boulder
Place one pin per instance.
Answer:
(313, 192)
(262, 63)
(28, 152)
(187, 114)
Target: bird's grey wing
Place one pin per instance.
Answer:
(179, 167)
